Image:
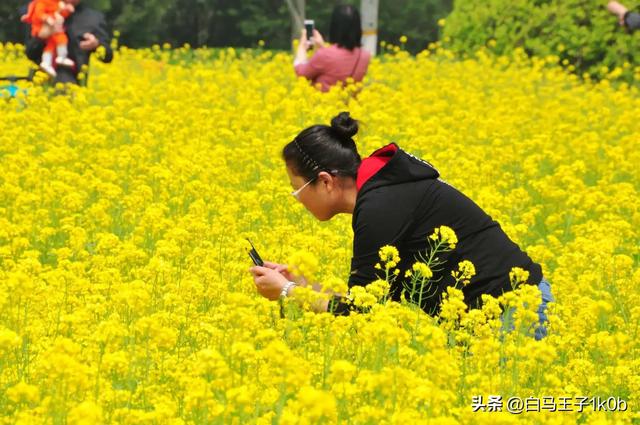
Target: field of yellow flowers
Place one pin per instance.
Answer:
(125, 295)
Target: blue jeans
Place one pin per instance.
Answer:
(545, 289)
(541, 331)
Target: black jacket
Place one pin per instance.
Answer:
(401, 205)
(83, 20)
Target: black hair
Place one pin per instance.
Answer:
(346, 28)
(325, 148)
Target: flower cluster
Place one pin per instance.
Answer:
(421, 270)
(124, 208)
(389, 256)
(518, 276)
(444, 235)
(466, 270)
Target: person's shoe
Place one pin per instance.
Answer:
(48, 68)
(66, 62)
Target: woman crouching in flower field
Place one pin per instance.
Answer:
(428, 235)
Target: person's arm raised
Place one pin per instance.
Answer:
(318, 40)
(310, 69)
(301, 52)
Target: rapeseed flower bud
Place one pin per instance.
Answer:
(420, 270)
(453, 307)
(8, 339)
(23, 393)
(518, 276)
(466, 270)
(445, 235)
(85, 413)
(305, 264)
(379, 288)
(389, 256)
(361, 297)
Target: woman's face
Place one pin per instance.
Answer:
(317, 197)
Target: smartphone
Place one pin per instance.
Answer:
(308, 25)
(255, 257)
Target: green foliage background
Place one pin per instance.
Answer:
(238, 23)
(582, 33)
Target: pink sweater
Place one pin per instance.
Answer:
(332, 64)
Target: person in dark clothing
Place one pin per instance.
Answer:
(396, 199)
(87, 31)
(626, 18)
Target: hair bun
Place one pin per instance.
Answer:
(344, 126)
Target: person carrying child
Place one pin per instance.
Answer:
(46, 18)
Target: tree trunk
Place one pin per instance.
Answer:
(296, 10)
(369, 10)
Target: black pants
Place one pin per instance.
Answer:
(66, 75)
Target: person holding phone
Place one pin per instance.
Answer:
(395, 199)
(335, 63)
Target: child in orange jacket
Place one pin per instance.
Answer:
(47, 23)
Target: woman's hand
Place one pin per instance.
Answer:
(303, 44)
(284, 270)
(271, 279)
(269, 282)
(317, 39)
